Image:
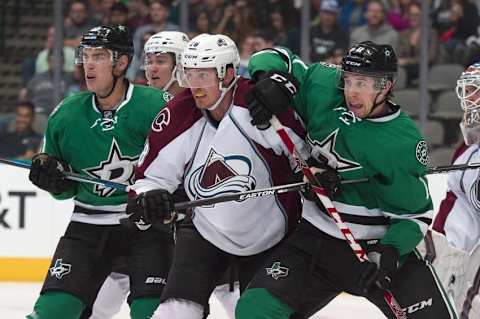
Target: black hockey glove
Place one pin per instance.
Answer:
(270, 96)
(378, 271)
(152, 207)
(48, 173)
(327, 177)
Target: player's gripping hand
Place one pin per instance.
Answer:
(327, 177)
(152, 207)
(378, 271)
(270, 96)
(48, 173)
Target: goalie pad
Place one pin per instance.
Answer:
(458, 272)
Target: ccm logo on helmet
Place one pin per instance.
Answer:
(281, 79)
(161, 121)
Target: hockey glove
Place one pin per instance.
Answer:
(152, 207)
(270, 96)
(327, 177)
(378, 271)
(48, 173)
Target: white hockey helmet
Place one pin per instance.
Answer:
(166, 42)
(468, 91)
(210, 51)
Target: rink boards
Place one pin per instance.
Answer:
(31, 222)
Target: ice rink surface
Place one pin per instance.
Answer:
(17, 299)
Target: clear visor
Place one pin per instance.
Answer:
(95, 55)
(154, 58)
(468, 91)
(197, 78)
(362, 83)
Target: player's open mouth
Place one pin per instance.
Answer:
(91, 77)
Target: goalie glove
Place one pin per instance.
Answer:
(152, 207)
(378, 271)
(48, 173)
(270, 96)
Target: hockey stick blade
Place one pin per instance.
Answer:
(73, 176)
(332, 211)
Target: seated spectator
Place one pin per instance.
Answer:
(138, 14)
(118, 14)
(158, 15)
(262, 40)
(41, 63)
(327, 37)
(398, 14)
(246, 50)
(352, 14)
(465, 20)
(78, 22)
(40, 89)
(409, 45)
(284, 32)
(376, 29)
(201, 24)
(21, 141)
(238, 21)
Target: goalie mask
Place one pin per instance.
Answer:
(468, 91)
(170, 42)
(204, 63)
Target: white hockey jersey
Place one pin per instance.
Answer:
(459, 214)
(186, 147)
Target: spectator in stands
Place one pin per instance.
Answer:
(40, 89)
(118, 14)
(79, 84)
(409, 44)
(102, 11)
(158, 15)
(138, 76)
(352, 14)
(262, 40)
(41, 63)
(246, 50)
(397, 14)
(138, 11)
(21, 141)
(326, 38)
(465, 19)
(376, 29)
(284, 32)
(78, 22)
(237, 21)
(202, 24)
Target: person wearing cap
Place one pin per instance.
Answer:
(354, 131)
(100, 133)
(327, 38)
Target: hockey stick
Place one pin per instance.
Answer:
(327, 203)
(73, 176)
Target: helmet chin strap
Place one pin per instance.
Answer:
(173, 78)
(224, 92)
(115, 78)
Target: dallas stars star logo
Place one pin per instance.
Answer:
(116, 168)
(326, 148)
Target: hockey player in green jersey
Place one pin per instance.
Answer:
(100, 133)
(354, 131)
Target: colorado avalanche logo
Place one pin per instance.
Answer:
(221, 175)
(161, 121)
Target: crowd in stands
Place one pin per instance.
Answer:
(254, 25)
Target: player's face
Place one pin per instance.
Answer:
(472, 94)
(158, 69)
(204, 86)
(359, 94)
(98, 64)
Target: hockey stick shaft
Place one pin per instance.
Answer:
(327, 203)
(242, 196)
(73, 176)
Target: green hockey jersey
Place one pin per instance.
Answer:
(104, 145)
(394, 205)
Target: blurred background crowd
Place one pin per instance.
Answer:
(27, 33)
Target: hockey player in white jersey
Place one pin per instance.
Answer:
(459, 215)
(204, 141)
(162, 55)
